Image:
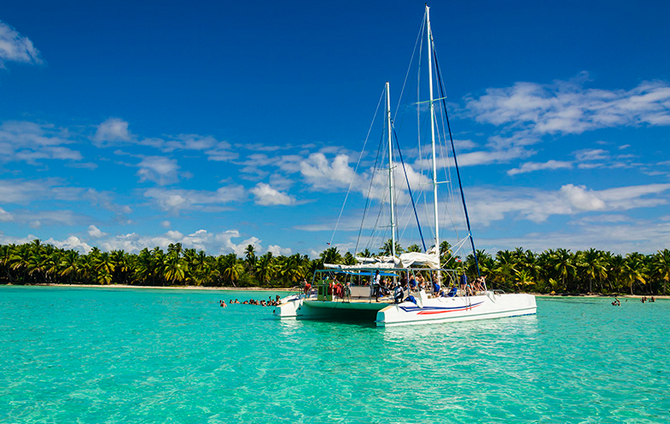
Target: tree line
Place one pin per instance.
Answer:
(519, 270)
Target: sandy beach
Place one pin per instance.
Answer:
(283, 289)
(126, 286)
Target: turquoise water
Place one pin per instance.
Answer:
(117, 355)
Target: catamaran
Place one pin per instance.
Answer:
(414, 280)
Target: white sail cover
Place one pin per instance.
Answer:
(426, 260)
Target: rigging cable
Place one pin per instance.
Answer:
(453, 149)
(410, 191)
(356, 169)
(368, 197)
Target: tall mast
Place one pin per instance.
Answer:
(432, 128)
(391, 201)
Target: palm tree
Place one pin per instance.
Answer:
(386, 250)
(250, 257)
(563, 264)
(265, 268)
(349, 259)
(505, 269)
(70, 265)
(104, 267)
(591, 263)
(661, 267)
(331, 256)
(365, 253)
(414, 248)
(176, 268)
(232, 269)
(635, 270)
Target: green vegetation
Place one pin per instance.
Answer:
(519, 270)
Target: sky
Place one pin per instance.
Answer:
(126, 124)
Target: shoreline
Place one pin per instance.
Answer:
(127, 286)
(284, 289)
(608, 296)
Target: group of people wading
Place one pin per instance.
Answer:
(269, 302)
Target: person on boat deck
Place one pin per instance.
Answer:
(436, 286)
(375, 285)
(412, 282)
(422, 283)
(398, 294)
(464, 284)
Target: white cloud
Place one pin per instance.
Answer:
(568, 107)
(582, 199)
(267, 196)
(165, 224)
(227, 245)
(70, 243)
(323, 175)
(489, 205)
(537, 166)
(133, 242)
(112, 130)
(177, 200)
(642, 236)
(15, 47)
(591, 154)
(28, 142)
(5, 216)
(278, 250)
(158, 169)
(95, 232)
(19, 191)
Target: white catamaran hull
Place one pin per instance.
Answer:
(425, 311)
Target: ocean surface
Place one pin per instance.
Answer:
(96, 355)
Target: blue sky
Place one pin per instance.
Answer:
(126, 125)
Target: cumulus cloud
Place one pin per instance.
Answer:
(632, 236)
(268, 196)
(95, 232)
(488, 205)
(15, 47)
(321, 174)
(71, 243)
(568, 107)
(111, 131)
(225, 240)
(158, 169)
(278, 250)
(580, 198)
(177, 200)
